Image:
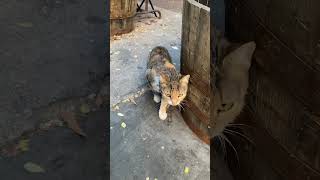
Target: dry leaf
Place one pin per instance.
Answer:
(33, 168)
(23, 145)
(84, 108)
(132, 100)
(25, 24)
(69, 118)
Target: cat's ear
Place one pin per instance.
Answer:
(185, 79)
(242, 56)
(163, 79)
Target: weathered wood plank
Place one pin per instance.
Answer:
(284, 67)
(195, 60)
(285, 83)
(122, 16)
(286, 119)
(294, 22)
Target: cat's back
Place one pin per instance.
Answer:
(158, 57)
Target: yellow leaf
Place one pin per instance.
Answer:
(33, 168)
(186, 170)
(23, 145)
(25, 24)
(123, 125)
(84, 108)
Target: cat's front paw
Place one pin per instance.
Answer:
(162, 115)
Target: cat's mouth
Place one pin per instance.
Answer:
(173, 103)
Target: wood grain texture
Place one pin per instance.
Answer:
(121, 16)
(195, 60)
(284, 84)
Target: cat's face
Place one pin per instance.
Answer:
(174, 92)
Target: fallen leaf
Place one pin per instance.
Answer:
(25, 24)
(23, 145)
(33, 168)
(69, 118)
(132, 100)
(123, 125)
(84, 108)
(186, 170)
(120, 114)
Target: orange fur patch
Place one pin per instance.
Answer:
(169, 65)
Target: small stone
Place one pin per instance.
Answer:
(120, 114)
(162, 147)
(174, 47)
(147, 178)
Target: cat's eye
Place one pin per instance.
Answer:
(168, 95)
(180, 95)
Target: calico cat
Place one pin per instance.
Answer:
(232, 83)
(168, 86)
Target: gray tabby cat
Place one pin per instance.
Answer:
(232, 84)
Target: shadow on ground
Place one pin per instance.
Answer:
(63, 154)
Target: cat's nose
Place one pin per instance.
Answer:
(174, 103)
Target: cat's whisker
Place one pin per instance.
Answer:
(181, 107)
(236, 125)
(234, 149)
(223, 146)
(240, 134)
